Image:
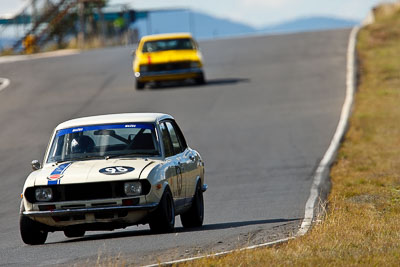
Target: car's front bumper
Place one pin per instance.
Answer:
(82, 211)
(168, 74)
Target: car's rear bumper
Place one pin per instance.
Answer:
(82, 211)
(168, 74)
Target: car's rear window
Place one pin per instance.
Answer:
(168, 44)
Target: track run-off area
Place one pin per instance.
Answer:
(262, 124)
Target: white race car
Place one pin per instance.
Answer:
(112, 171)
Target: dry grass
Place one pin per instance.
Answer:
(361, 226)
(97, 42)
(7, 52)
(90, 43)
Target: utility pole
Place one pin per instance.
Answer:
(102, 26)
(81, 33)
(34, 12)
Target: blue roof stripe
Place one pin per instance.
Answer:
(104, 127)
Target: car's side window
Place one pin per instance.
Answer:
(174, 138)
(166, 140)
(179, 134)
(195, 45)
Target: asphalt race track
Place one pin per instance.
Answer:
(262, 123)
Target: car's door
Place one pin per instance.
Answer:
(174, 169)
(187, 159)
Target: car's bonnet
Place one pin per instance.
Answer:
(92, 171)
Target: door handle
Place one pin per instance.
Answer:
(180, 168)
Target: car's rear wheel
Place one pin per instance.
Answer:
(139, 85)
(195, 215)
(31, 231)
(200, 79)
(163, 218)
(74, 233)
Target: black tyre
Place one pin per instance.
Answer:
(195, 215)
(74, 233)
(157, 85)
(139, 85)
(201, 79)
(163, 218)
(31, 232)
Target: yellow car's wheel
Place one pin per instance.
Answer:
(139, 85)
(200, 79)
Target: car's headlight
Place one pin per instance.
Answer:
(143, 68)
(44, 194)
(194, 64)
(132, 188)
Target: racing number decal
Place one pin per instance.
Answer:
(115, 170)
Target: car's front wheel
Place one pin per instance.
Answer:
(70, 233)
(195, 215)
(31, 232)
(163, 218)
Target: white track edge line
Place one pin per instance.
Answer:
(323, 166)
(58, 53)
(4, 83)
(329, 156)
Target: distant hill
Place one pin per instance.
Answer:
(203, 26)
(309, 24)
(207, 27)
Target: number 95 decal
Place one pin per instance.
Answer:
(115, 170)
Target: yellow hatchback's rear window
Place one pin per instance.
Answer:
(168, 44)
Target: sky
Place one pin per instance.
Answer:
(257, 13)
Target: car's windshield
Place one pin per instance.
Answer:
(168, 44)
(112, 140)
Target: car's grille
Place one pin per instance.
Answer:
(169, 66)
(87, 191)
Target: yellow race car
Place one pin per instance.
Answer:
(166, 57)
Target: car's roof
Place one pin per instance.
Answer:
(166, 36)
(114, 118)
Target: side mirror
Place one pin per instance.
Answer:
(35, 165)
